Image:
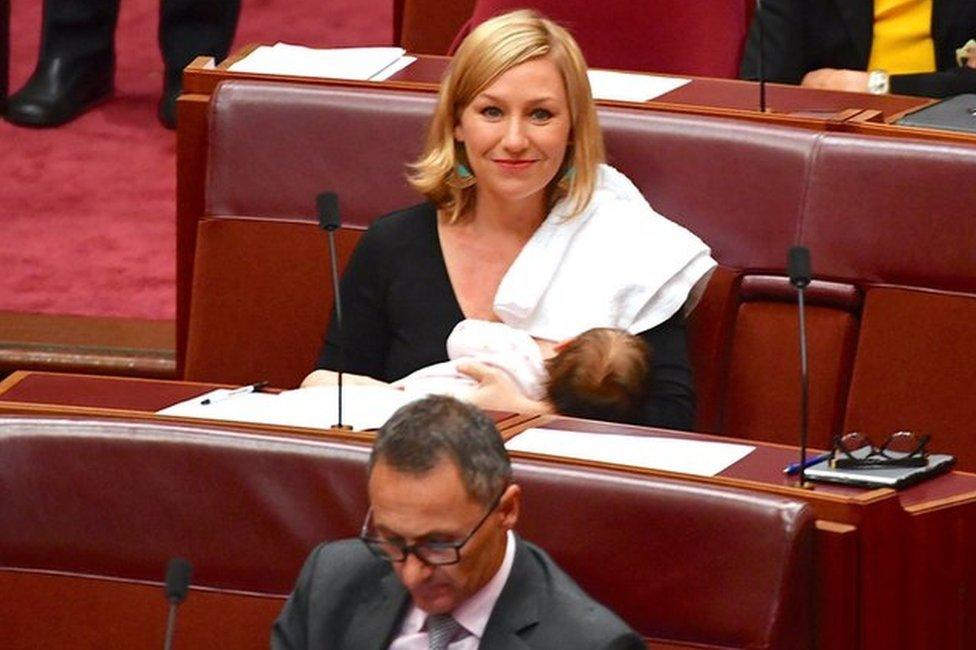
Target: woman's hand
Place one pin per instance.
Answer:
(331, 378)
(830, 79)
(497, 391)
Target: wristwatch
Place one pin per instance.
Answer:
(879, 82)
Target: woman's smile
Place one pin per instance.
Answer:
(516, 132)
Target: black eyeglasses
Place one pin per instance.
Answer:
(901, 449)
(433, 553)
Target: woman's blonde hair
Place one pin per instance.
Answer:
(493, 48)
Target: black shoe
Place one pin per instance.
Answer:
(61, 89)
(172, 82)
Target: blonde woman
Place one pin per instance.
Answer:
(523, 224)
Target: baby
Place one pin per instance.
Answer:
(604, 373)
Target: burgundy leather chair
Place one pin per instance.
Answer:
(91, 511)
(428, 26)
(666, 36)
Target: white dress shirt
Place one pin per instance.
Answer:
(472, 614)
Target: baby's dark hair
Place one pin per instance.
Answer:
(602, 374)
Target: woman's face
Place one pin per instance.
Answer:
(515, 132)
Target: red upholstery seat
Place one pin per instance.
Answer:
(428, 26)
(667, 36)
(91, 510)
(904, 231)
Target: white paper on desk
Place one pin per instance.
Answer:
(698, 457)
(363, 407)
(630, 87)
(357, 63)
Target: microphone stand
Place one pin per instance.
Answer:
(170, 626)
(178, 574)
(798, 262)
(327, 204)
(804, 389)
(338, 315)
(762, 57)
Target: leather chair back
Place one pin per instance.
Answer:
(666, 36)
(92, 510)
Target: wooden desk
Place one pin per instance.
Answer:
(896, 569)
(704, 95)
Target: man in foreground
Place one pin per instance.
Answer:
(437, 564)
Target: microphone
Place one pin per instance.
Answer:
(762, 57)
(798, 266)
(327, 205)
(178, 574)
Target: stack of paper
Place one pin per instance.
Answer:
(363, 407)
(697, 457)
(356, 63)
(631, 87)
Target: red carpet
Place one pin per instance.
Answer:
(87, 210)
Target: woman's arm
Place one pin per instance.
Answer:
(496, 390)
(672, 401)
(365, 334)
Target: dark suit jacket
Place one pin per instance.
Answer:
(347, 599)
(806, 35)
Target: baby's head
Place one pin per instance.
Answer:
(602, 374)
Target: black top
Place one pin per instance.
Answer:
(806, 35)
(399, 308)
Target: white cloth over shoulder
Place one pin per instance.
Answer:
(617, 264)
(493, 344)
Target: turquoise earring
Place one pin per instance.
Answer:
(568, 174)
(462, 171)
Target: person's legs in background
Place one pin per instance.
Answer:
(76, 65)
(187, 29)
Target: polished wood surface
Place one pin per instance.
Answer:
(64, 343)
(719, 96)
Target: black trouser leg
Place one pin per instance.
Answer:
(187, 29)
(78, 28)
(191, 28)
(76, 66)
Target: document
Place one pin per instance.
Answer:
(363, 407)
(873, 477)
(698, 457)
(356, 63)
(631, 87)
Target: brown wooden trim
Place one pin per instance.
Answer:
(12, 380)
(192, 138)
(95, 344)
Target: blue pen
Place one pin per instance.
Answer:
(794, 468)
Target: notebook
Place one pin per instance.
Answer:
(954, 114)
(893, 477)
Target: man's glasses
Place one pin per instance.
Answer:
(433, 553)
(901, 449)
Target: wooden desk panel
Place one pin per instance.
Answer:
(911, 552)
(49, 393)
(718, 96)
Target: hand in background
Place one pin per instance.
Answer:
(496, 390)
(855, 81)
